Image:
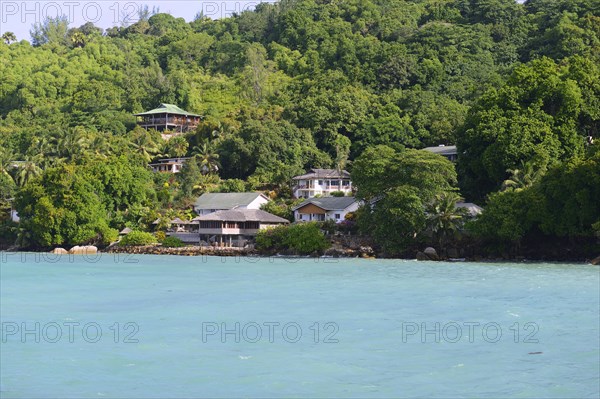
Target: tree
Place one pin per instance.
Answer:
(397, 187)
(541, 114)
(51, 30)
(177, 147)
(9, 37)
(61, 207)
(444, 219)
(28, 170)
(301, 238)
(525, 176)
(78, 39)
(208, 159)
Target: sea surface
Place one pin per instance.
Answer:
(155, 327)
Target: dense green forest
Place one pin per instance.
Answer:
(353, 84)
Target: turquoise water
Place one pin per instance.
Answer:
(367, 342)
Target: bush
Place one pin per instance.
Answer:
(108, 235)
(329, 226)
(338, 194)
(138, 238)
(160, 236)
(305, 238)
(172, 242)
(301, 238)
(271, 239)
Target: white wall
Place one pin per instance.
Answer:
(329, 215)
(320, 189)
(257, 203)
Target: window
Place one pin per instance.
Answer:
(337, 216)
(210, 225)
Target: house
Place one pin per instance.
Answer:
(213, 202)
(168, 165)
(322, 182)
(236, 227)
(325, 208)
(448, 151)
(168, 117)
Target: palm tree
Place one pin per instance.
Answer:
(177, 146)
(144, 144)
(342, 152)
(6, 162)
(78, 39)
(209, 160)
(70, 144)
(444, 219)
(9, 37)
(29, 169)
(523, 177)
(100, 146)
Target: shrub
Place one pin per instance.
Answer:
(160, 236)
(329, 226)
(305, 238)
(271, 239)
(338, 194)
(138, 238)
(301, 238)
(172, 242)
(108, 235)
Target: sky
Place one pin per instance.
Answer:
(18, 16)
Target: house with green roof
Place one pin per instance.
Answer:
(168, 117)
(212, 202)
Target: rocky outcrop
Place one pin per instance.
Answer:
(59, 251)
(83, 250)
(182, 251)
(596, 261)
(429, 254)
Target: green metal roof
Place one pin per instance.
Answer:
(167, 109)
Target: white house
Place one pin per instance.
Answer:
(168, 165)
(325, 208)
(213, 202)
(322, 182)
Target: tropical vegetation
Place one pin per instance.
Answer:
(361, 85)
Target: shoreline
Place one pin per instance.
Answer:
(191, 251)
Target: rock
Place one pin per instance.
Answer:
(83, 250)
(431, 253)
(596, 261)
(366, 251)
(422, 256)
(59, 251)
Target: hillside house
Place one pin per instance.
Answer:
(325, 208)
(168, 117)
(168, 165)
(212, 202)
(322, 182)
(236, 227)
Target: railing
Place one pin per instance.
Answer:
(168, 121)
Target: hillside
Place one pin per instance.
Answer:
(301, 84)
